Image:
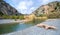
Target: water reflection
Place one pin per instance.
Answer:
(7, 28)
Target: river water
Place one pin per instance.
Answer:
(13, 27)
(9, 28)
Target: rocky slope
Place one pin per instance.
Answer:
(51, 7)
(6, 9)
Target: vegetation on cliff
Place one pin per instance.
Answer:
(51, 10)
(9, 12)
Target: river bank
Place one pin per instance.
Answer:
(5, 21)
(34, 30)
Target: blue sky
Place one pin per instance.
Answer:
(27, 6)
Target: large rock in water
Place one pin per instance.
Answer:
(6, 9)
(48, 8)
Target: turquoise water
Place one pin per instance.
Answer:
(12, 27)
(30, 28)
(34, 30)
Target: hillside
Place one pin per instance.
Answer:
(52, 9)
(6, 9)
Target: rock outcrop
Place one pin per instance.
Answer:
(6, 9)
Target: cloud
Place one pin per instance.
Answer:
(24, 6)
(27, 6)
(32, 8)
(29, 3)
(45, 1)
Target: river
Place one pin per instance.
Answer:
(11, 28)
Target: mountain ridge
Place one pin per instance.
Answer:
(46, 9)
(6, 9)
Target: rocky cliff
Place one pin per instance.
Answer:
(52, 7)
(6, 9)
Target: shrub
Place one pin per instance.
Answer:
(54, 15)
(21, 17)
(13, 17)
(42, 15)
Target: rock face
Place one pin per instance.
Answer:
(6, 9)
(48, 8)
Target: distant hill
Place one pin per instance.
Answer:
(6, 9)
(49, 9)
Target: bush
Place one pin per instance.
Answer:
(5, 16)
(42, 15)
(54, 15)
(13, 17)
(21, 17)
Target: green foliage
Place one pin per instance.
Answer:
(21, 17)
(54, 15)
(42, 15)
(1, 13)
(5, 16)
(13, 17)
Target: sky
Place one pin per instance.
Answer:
(27, 6)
